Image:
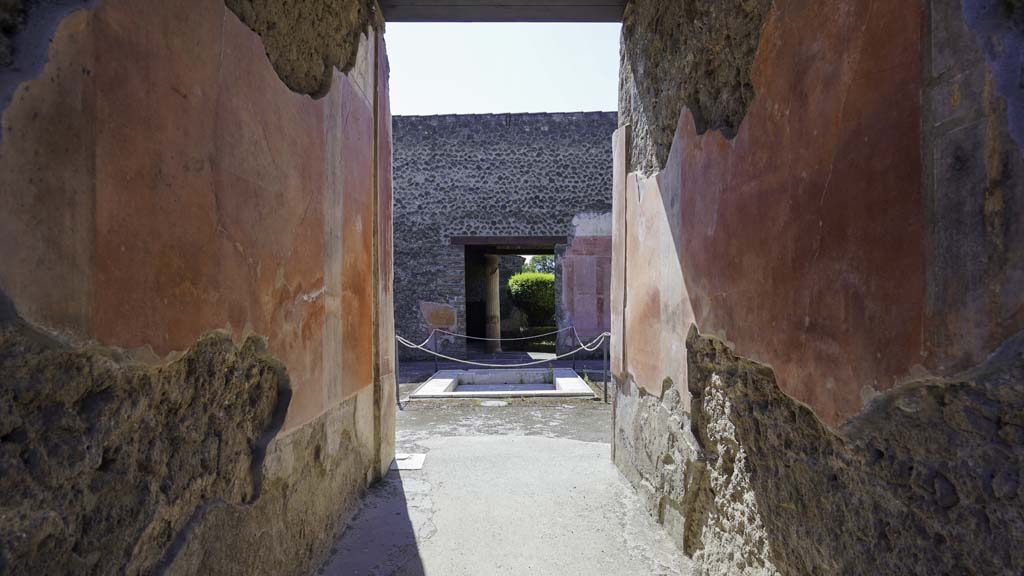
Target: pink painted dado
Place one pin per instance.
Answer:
(185, 188)
(800, 241)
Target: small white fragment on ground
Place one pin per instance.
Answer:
(493, 403)
(408, 461)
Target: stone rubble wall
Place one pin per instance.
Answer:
(696, 54)
(486, 175)
(112, 466)
(106, 461)
(926, 480)
(848, 247)
(306, 40)
(794, 227)
(195, 326)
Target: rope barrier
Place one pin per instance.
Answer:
(503, 339)
(593, 345)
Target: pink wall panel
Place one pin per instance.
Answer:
(800, 241)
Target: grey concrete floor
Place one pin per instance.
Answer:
(522, 488)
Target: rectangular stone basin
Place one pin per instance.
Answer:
(504, 383)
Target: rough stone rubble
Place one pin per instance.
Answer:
(105, 462)
(696, 54)
(925, 481)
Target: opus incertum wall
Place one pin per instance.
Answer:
(490, 175)
(818, 283)
(195, 339)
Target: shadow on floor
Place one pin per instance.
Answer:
(381, 538)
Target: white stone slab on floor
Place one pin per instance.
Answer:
(504, 383)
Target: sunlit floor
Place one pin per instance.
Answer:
(516, 487)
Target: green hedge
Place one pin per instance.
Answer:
(534, 294)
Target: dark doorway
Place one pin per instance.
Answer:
(482, 256)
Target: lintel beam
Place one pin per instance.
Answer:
(503, 10)
(508, 241)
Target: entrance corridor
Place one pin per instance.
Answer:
(527, 487)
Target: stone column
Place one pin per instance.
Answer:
(492, 295)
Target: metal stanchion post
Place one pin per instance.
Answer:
(573, 344)
(605, 346)
(398, 369)
(434, 347)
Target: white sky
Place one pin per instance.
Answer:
(487, 67)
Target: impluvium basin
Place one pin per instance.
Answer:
(504, 383)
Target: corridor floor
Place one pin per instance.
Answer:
(522, 488)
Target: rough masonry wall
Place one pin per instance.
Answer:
(105, 461)
(182, 214)
(159, 181)
(113, 467)
(486, 175)
(925, 481)
(858, 232)
(308, 39)
(697, 54)
(808, 224)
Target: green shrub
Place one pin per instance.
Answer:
(534, 294)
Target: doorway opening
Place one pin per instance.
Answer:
(506, 304)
